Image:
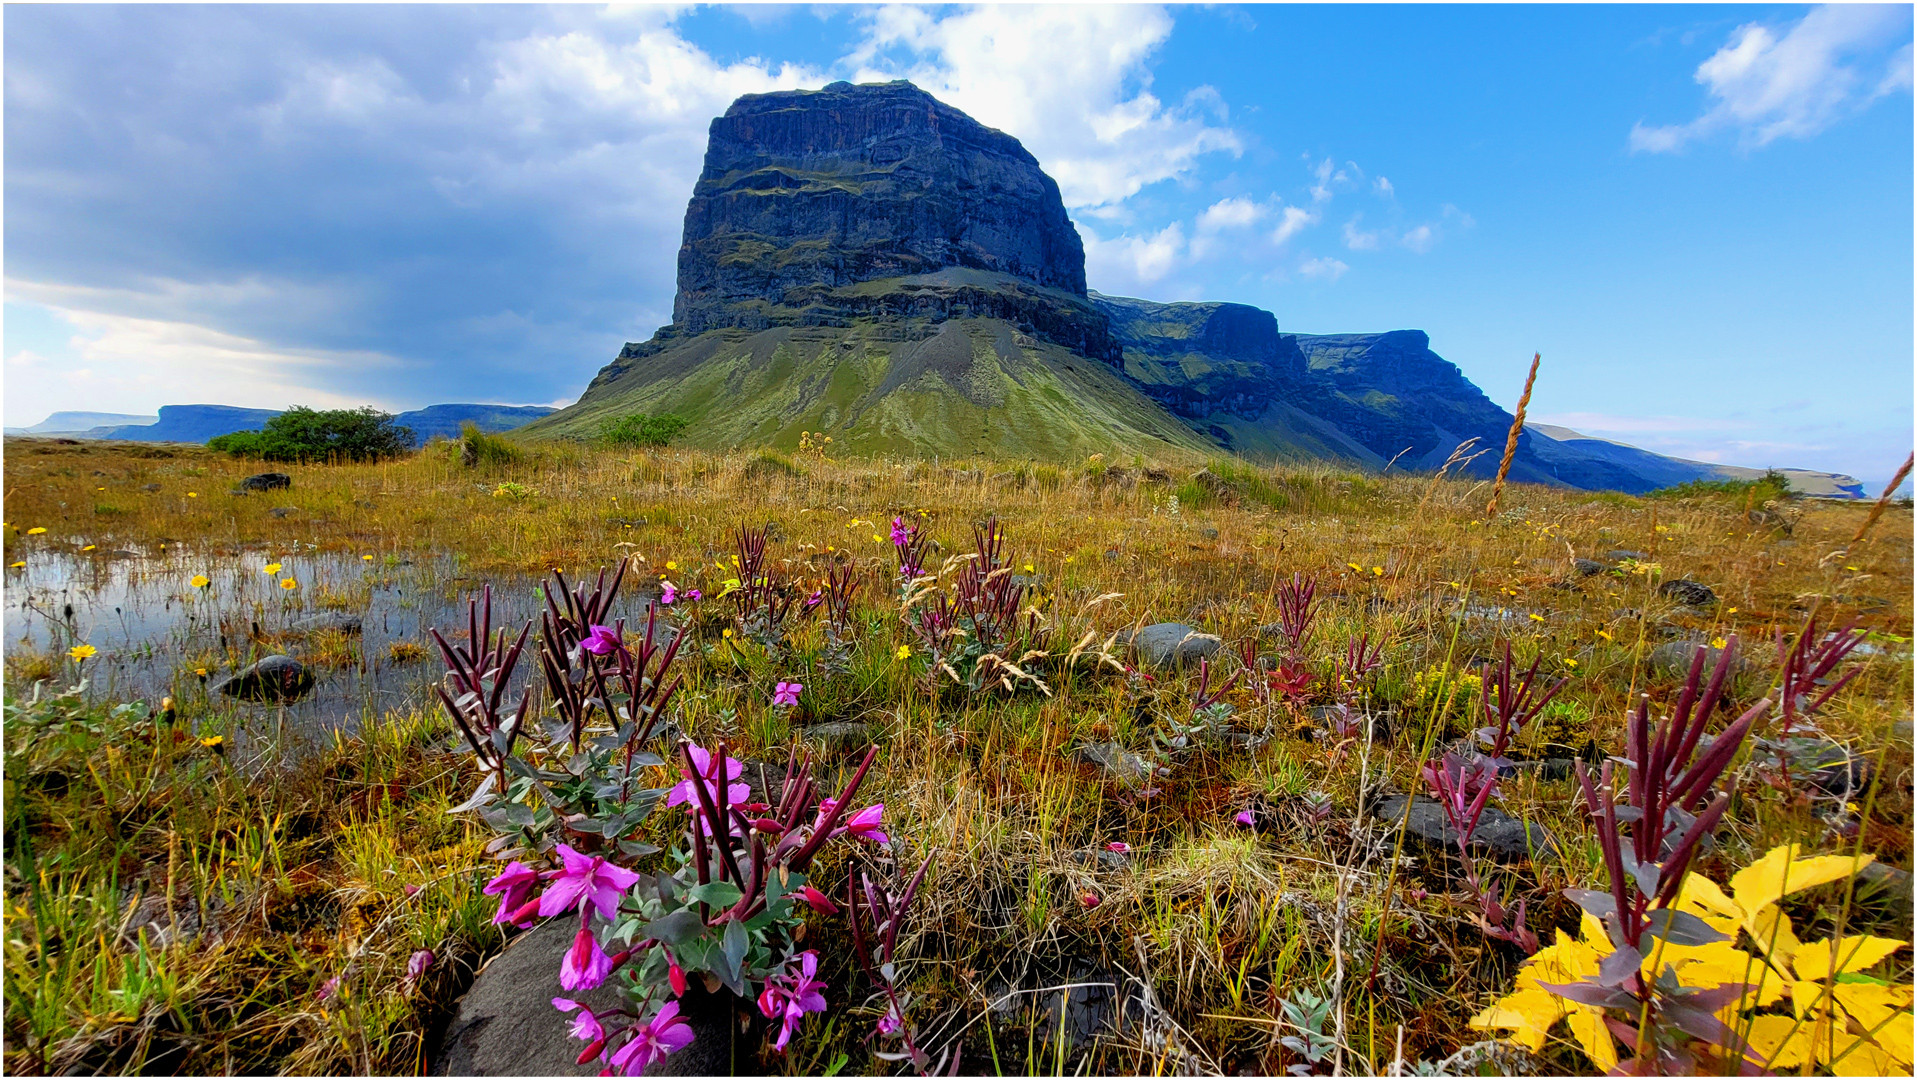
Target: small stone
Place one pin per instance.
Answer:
(266, 481)
(1623, 555)
(1174, 644)
(274, 678)
(1098, 858)
(1691, 593)
(149, 487)
(1498, 835)
(282, 511)
(1211, 533)
(839, 737)
(1117, 762)
(1586, 567)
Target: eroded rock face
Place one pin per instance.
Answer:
(808, 191)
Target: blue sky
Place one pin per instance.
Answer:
(1700, 215)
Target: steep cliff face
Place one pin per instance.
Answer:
(807, 194)
(1203, 359)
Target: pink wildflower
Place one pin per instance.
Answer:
(668, 593)
(788, 996)
(709, 776)
(1118, 846)
(410, 890)
(787, 693)
(585, 1026)
(417, 964)
(891, 1023)
(666, 1034)
(327, 989)
(1244, 818)
(601, 641)
(1090, 900)
(694, 594)
(675, 975)
(513, 886)
(865, 824)
(585, 965)
(900, 535)
(589, 878)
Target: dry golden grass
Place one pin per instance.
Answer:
(1224, 925)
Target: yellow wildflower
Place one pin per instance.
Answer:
(1717, 643)
(192, 494)
(81, 652)
(201, 581)
(214, 742)
(89, 547)
(1028, 568)
(36, 530)
(289, 584)
(1377, 571)
(1606, 635)
(904, 652)
(1535, 617)
(19, 565)
(367, 558)
(1356, 567)
(270, 568)
(671, 565)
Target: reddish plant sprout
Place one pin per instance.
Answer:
(1205, 696)
(877, 953)
(1361, 658)
(841, 582)
(1650, 823)
(1492, 916)
(1806, 683)
(1297, 610)
(1291, 682)
(477, 675)
(984, 595)
(910, 545)
(1506, 708)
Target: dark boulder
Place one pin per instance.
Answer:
(1498, 835)
(274, 678)
(1173, 644)
(1687, 592)
(266, 481)
(1586, 567)
(506, 1025)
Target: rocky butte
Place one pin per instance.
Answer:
(869, 262)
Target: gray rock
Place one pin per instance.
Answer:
(1211, 533)
(1174, 644)
(149, 487)
(1098, 859)
(1586, 567)
(266, 481)
(342, 621)
(282, 511)
(1117, 762)
(505, 1024)
(839, 737)
(273, 678)
(1498, 835)
(1691, 593)
(1623, 554)
(1884, 887)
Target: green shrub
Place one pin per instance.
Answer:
(303, 434)
(639, 429)
(768, 466)
(1771, 485)
(479, 448)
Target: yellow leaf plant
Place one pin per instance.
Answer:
(1822, 1010)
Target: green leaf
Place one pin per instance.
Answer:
(677, 928)
(721, 894)
(735, 943)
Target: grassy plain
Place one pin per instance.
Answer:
(168, 910)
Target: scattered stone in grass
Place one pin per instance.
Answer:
(274, 678)
(366, 504)
(1623, 555)
(1586, 567)
(1689, 593)
(1174, 644)
(1211, 533)
(266, 481)
(1098, 859)
(1498, 835)
(282, 511)
(149, 487)
(840, 736)
(1117, 762)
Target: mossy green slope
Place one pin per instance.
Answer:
(909, 387)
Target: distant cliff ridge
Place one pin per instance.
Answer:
(198, 423)
(869, 262)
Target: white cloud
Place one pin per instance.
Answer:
(1357, 239)
(1294, 220)
(1126, 263)
(1419, 239)
(1326, 268)
(1383, 187)
(1237, 212)
(1070, 82)
(1767, 86)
